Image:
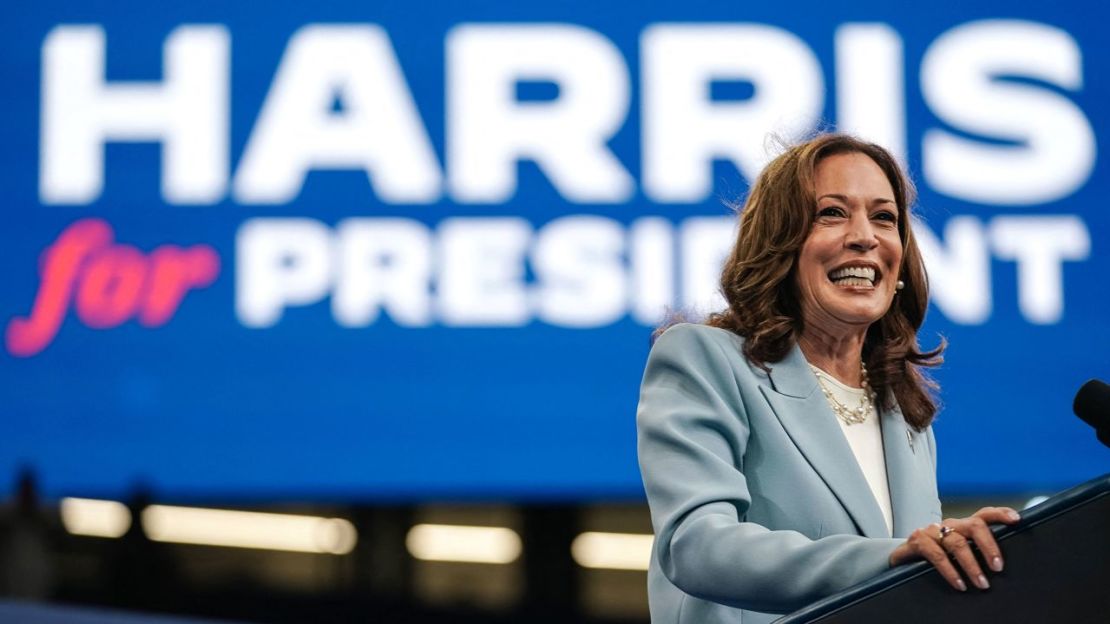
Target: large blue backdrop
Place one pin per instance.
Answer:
(396, 250)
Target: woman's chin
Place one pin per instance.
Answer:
(858, 315)
(857, 305)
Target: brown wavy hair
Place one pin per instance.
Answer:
(758, 280)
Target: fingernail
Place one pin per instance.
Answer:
(983, 583)
(960, 585)
(1013, 515)
(996, 564)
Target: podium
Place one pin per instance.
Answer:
(1057, 569)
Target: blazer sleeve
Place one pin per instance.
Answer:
(692, 435)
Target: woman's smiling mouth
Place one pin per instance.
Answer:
(855, 276)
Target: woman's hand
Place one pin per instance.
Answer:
(941, 544)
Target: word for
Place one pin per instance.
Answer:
(107, 283)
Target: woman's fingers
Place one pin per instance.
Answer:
(978, 531)
(949, 545)
(1005, 515)
(983, 536)
(929, 549)
(957, 546)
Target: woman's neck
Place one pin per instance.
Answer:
(837, 355)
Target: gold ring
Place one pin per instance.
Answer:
(944, 531)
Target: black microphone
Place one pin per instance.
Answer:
(1092, 404)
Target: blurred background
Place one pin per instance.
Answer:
(337, 311)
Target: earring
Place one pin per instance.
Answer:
(899, 285)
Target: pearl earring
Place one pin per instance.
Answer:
(899, 285)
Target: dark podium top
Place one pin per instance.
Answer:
(1057, 570)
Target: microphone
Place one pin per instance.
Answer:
(1092, 404)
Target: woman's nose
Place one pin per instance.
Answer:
(861, 234)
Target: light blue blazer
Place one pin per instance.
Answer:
(758, 503)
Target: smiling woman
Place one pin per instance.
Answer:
(830, 204)
(779, 469)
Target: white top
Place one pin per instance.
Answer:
(866, 441)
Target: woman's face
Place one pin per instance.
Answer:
(848, 266)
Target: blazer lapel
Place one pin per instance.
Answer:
(907, 463)
(811, 424)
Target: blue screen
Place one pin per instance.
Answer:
(384, 251)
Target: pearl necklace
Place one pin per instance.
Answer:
(847, 414)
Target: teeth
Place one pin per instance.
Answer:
(854, 281)
(866, 273)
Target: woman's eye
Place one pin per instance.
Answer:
(887, 216)
(830, 211)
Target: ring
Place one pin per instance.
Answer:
(944, 531)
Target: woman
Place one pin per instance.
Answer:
(785, 444)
